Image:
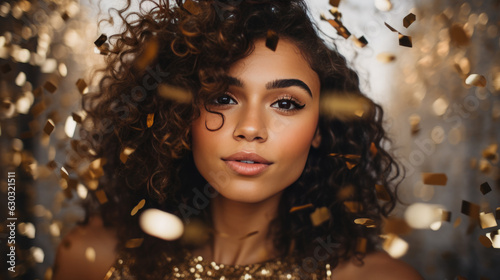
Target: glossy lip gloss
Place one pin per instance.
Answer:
(247, 169)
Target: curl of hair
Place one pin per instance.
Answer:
(195, 49)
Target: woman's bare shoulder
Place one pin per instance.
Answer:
(86, 252)
(378, 265)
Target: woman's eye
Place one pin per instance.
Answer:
(287, 105)
(224, 100)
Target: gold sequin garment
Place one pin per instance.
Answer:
(198, 268)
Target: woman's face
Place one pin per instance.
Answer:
(271, 113)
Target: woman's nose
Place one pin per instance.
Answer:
(251, 125)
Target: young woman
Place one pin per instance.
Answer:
(232, 113)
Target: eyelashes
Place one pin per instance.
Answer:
(285, 103)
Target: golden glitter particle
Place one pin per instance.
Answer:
(109, 273)
(272, 40)
(494, 236)
(353, 206)
(134, 242)
(192, 7)
(320, 215)
(395, 246)
(446, 216)
(485, 188)
(409, 19)
(90, 254)
(64, 173)
(301, 207)
(20, 79)
(150, 120)
(457, 222)
(78, 116)
(476, 80)
(161, 224)
(339, 106)
(82, 86)
(484, 166)
(369, 223)
(440, 106)
(81, 191)
(422, 216)
(414, 120)
(38, 254)
(101, 40)
(458, 36)
(383, 5)
(382, 193)
(50, 87)
(174, 93)
(470, 209)
(27, 229)
(335, 3)
(148, 55)
(490, 152)
(386, 57)
(101, 196)
(49, 127)
(138, 207)
(373, 149)
(361, 245)
(360, 42)
(339, 26)
(485, 241)
(70, 127)
(390, 27)
(434, 179)
(125, 153)
(487, 220)
(405, 41)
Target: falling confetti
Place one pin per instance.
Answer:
(476, 80)
(298, 208)
(161, 224)
(320, 215)
(138, 207)
(485, 188)
(434, 179)
(409, 19)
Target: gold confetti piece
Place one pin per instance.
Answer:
(385, 57)
(369, 223)
(396, 226)
(485, 188)
(150, 120)
(457, 222)
(339, 106)
(382, 193)
(361, 245)
(390, 27)
(422, 215)
(446, 216)
(138, 207)
(484, 166)
(161, 224)
(497, 213)
(49, 127)
(487, 220)
(148, 55)
(101, 40)
(134, 242)
(101, 196)
(81, 85)
(485, 241)
(90, 254)
(174, 93)
(360, 42)
(77, 117)
(395, 246)
(109, 273)
(476, 80)
(409, 19)
(320, 215)
(434, 179)
(458, 35)
(297, 208)
(353, 206)
(272, 40)
(64, 173)
(50, 87)
(414, 123)
(373, 149)
(405, 41)
(341, 30)
(490, 152)
(335, 13)
(249, 234)
(494, 236)
(470, 209)
(191, 7)
(125, 153)
(335, 3)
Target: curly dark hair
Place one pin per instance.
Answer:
(191, 46)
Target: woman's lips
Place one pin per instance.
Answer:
(246, 169)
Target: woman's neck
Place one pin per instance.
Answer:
(241, 234)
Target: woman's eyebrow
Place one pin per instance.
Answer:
(285, 83)
(278, 83)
